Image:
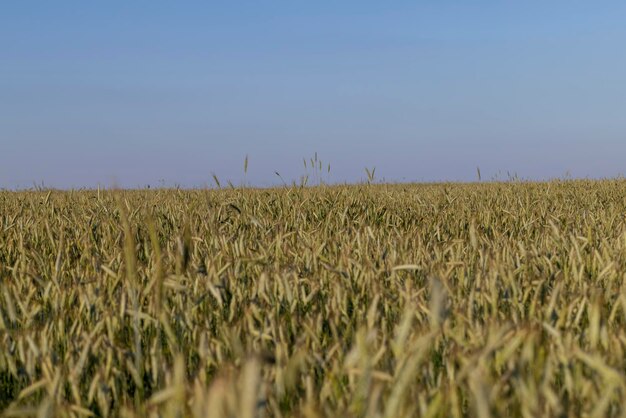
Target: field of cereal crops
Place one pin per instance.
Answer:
(434, 300)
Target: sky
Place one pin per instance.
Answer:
(157, 93)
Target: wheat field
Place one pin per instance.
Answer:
(432, 300)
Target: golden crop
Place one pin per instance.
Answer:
(450, 300)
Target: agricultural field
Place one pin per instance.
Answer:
(430, 300)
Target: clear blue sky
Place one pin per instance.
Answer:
(150, 92)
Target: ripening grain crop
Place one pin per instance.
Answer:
(448, 300)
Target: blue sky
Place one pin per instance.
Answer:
(166, 93)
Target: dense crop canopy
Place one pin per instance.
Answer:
(497, 299)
